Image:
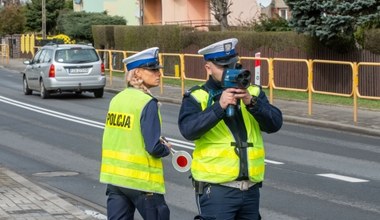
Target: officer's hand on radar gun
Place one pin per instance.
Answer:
(244, 95)
(228, 98)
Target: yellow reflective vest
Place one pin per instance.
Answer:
(214, 157)
(125, 162)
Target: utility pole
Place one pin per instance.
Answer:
(43, 19)
(142, 5)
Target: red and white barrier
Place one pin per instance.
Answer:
(257, 69)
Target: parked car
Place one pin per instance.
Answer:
(58, 68)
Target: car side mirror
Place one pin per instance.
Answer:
(27, 62)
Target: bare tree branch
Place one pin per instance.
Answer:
(220, 9)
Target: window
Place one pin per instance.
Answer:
(76, 55)
(61, 56)
(42, 56)
(37, 56)
(283, 12)
(48, 56)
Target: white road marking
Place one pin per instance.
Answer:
(343, 178)
(52, 113)
(273, 162)
(95, 214)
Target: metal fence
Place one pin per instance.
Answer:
(301, 75)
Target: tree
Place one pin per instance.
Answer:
(221, 9)
(5, 3)
(34, 14)
(78, 25)
(68, 5)
(333, 22)
(275, 23)
(12, 20)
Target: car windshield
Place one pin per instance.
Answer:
(76, 55)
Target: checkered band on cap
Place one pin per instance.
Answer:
(220, 51)
(145, 59)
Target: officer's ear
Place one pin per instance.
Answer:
(208, 68)
(138, 72)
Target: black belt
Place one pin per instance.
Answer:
(243, 145)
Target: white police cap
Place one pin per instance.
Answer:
(221, 53)
(147, 59)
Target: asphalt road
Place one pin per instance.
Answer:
(312, 173)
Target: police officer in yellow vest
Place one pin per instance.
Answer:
(131, 151)
(228, 160)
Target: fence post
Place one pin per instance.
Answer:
(22, 43)
(109, 64)
(310, 85)
(124, 66)
(182, 72)
(176, 70)
(32, 43)
(161, 60)
(355, 84)
(27, 48)
(271, 78)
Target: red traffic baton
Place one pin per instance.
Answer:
(181, 160)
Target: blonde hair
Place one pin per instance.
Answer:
(136, 82)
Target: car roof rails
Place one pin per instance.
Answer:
(85, 43)
(51, 44)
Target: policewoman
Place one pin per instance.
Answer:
(228, 160)
(131, 150)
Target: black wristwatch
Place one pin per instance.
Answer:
(252, 102)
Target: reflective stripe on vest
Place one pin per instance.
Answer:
(215, 160)
(125, 162)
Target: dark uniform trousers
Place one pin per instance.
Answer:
(122, 203)
(219, 202)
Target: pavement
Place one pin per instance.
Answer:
(22, 199)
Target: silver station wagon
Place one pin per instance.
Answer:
(58, 68)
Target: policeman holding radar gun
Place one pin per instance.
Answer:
(225, 118)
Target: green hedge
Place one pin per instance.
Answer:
(137, 38)
(173, 38)
(277, 41)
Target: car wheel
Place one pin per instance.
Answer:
(43, 92)
(98, 93)
(25, 87)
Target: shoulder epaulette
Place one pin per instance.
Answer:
(192, 89)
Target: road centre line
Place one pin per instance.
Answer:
(343, 178)
(175, 142)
